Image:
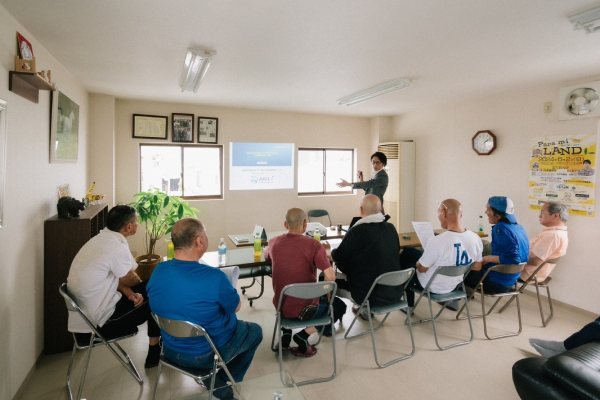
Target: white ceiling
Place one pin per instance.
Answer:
(304, 55)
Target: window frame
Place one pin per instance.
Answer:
(181, 146)
(324, 150)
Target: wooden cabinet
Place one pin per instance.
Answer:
(62, 240)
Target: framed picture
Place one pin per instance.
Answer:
(150, 126)
(183, 128)
(64, 129)
(208, 130)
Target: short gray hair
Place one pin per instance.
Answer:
(555, 207)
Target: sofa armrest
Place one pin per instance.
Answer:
(578, 370)
(532, 384)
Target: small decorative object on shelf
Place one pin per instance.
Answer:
(68, 207)
(92, 198)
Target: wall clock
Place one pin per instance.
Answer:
(484, 142)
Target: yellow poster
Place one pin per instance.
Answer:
(562, 168)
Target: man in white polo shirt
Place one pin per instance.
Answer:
(455, 247)
(102, 279)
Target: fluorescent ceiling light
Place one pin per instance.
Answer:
(588, 21)
(195, 67)
(376, 91)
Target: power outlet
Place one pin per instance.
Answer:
(547, 108)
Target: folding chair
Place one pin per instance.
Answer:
(544, 284)
(502, 269)
(96, 339)
(319, 213)
(395, 278)
(185, 329)
(454, 295)
(305, 291)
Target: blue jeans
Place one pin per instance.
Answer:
(589, 333)
(237, 354)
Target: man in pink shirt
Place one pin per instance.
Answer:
(552, 242)
(296, 258)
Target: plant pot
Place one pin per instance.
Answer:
(146, 265)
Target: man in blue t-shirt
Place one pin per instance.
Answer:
(184, 289)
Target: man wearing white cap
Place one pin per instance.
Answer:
(510, 245)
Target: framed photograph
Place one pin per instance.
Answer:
(64, 129)
(183, 128)
(150, 126)
(208, 130)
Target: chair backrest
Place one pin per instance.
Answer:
(542, 265)
(317, 213)
(394, 278)
(179, 329)
(453, 270)
(72, 306)
(508, 268)
(307, 291)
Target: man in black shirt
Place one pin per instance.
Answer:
(369, 249)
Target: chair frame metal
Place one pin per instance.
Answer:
(538, 285)
(305, 291)
(319, 213)
(503, 269)
(185, 329)
(454, 295)
(96, 339)
(394, 278)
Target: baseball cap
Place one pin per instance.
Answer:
(505, 205)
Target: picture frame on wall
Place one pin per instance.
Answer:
(64, 128)
(208, 130)
(150, 126)
(183, 128)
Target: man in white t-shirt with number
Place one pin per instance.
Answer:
(455, 247)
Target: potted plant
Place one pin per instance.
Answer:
(159, 212)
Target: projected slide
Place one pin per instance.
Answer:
(257, 166)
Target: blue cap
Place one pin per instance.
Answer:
(505, 205)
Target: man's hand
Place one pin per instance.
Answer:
(490, 259)
(327, 248)
(359, 175)
(136, 298)
(344, 183)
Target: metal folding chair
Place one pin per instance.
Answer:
(502, 269)
(395, 278)
(96, 339)
(544, 284)
(454, 295)
(319, 213)
(185, 329)
(305, 291)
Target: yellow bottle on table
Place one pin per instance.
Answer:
(170, 250)
(257, 245)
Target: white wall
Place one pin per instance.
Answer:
(30, 198)
(239, 211)
(447, 167)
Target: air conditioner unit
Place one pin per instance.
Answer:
(579, 101)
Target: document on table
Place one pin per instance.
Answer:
(424, 231)
(232, 273)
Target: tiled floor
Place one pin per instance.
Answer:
(480, 370)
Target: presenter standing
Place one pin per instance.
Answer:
(378, 183)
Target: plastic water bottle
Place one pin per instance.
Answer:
(257, 245)
(317, 235)
(170, 249)
(480, 224)
(222, 253)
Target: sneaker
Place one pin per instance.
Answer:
(153, 356)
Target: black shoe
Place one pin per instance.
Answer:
(405, 311)
(153, 356)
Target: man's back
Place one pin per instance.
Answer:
(550, 243)
(367, 251)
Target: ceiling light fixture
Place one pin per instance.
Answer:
(589, 21)
(376, 91)
(195, 67)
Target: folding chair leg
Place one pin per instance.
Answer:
(69, 371)
(484, 314)
(125, 360)
(85, 366)
(157, 379)
(507, 304)
(249, 286)
(539, 298)
(348, 337)
(412, 339)
(435, 331)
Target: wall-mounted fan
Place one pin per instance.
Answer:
(580, 101)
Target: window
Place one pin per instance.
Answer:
(319, 170)
(189, 171)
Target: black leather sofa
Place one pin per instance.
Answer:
(572, 375)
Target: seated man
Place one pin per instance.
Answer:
(457, 246)
(296, 258)
(186, 290)
(551, 243)
(103, 281)
(369, 249)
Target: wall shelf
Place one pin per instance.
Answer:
(27, 85)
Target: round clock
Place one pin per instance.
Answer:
(484, 142)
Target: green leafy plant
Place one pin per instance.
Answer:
(160, 212)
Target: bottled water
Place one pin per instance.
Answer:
(222, 253)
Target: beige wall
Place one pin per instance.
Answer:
(30, 197)
(101, 157)
(448, 167)
(239, 211)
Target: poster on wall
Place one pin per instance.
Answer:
(562, 168)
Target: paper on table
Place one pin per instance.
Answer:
(424, 231)
(232, 273)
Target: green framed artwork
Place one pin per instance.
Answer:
(64, 130)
